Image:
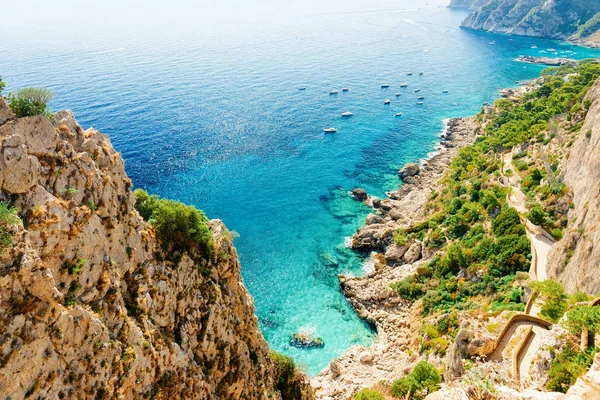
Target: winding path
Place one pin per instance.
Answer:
(541, 243)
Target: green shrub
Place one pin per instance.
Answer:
(30, 101)
(179, 227)
(557, 233)
(2, 85)
(8, 216)
(368, 394)
(409, 288)
(538, 216)
(588, 134)
(424, 379)
(554, 299)
(287, 379)
(583, 317)
(567, 366)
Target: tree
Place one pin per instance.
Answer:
(30, 101)
(553, 297)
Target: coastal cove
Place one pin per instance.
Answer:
(229, 132)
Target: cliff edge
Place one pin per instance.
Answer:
(90, 304)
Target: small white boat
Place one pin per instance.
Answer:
(302, 88)
(492, 43)
(534, 46)
(398, 94)
(417, 90)
(404, 85)
(421, 73)
(409, 74)
(552, 50)
(421, 97)
(388, 101)
(444, 91)
(398, 115)
(419, 103)
(385, 86)
(333, 92)
(330, 130)
(347, 114)
(345, 89)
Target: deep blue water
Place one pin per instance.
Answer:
(217, 121)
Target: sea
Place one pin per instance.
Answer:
(212, 114)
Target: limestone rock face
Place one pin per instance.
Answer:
(89, 306)
(580, 247)
(536, 18)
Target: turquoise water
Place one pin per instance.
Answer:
(217, 121)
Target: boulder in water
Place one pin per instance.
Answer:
(360, 194)
(306, 341)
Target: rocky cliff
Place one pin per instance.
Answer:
(90, 306)
(574, 259)
(576, 20)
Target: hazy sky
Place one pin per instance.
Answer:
(26, 18)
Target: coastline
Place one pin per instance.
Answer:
(396, 320)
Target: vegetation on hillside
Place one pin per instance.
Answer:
(30, 101)
(179, 227)
(8, 216)
(482, 251)
(2, 85)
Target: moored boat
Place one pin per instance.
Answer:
(347, 114)
(330, 130)
(388, 101)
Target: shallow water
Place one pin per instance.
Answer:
(218, 122)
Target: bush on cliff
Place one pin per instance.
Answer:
(8, 216)
(2, 85)
(30, 101)
(424, 379)
(179, 227)
(287, 378)
(369, 394)
(567, 366)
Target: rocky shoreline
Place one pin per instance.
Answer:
(397, 321)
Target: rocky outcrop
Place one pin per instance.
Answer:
(557, 19)
(410, 169)
(90, 306)
(573, 260)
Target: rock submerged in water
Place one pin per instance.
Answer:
(410, 169)
(360, 194)
(306, 341)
